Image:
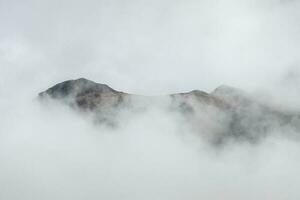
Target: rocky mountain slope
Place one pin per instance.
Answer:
(224, 113)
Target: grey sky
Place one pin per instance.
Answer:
(144, 47)
(150, 47)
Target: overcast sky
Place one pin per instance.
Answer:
(149, 47)
(144, 47)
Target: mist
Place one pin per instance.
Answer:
(49, 151)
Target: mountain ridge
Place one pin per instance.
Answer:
(242, 117)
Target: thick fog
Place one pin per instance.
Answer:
(49, 151)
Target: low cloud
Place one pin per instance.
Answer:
(49, 151)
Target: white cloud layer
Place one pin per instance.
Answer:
(144, 47)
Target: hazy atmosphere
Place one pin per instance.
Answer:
(49, 151)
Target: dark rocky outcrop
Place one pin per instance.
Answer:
(85, 94)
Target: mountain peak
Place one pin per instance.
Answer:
(194, 106)
(76, 87)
